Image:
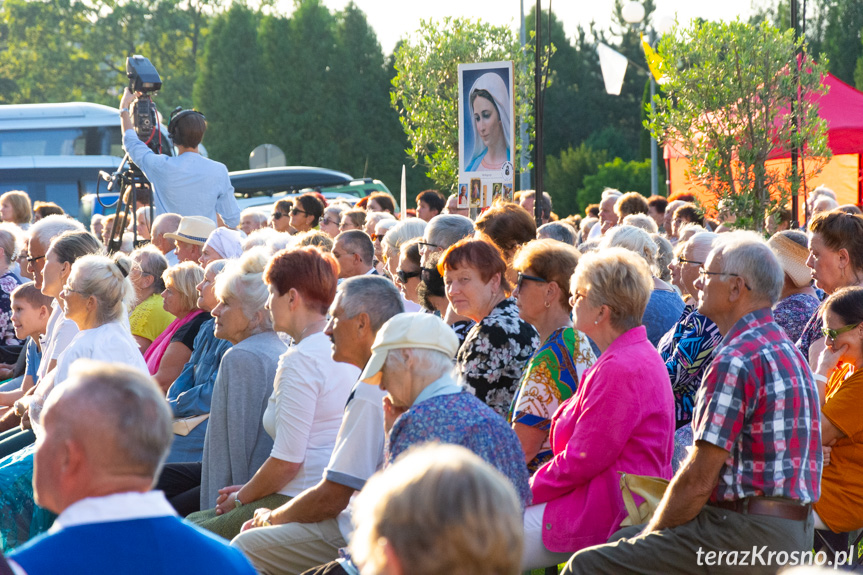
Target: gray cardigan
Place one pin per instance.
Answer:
(236, 444)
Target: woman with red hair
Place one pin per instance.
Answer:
(496, 350)
(310, 391)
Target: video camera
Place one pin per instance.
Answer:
(144, 80)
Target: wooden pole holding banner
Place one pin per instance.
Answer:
(404, 197)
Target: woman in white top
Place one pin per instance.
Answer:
(94, 296)
(309, 393)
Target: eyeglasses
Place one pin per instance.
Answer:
(405, 276)
(35, 259)
(296, 211)
(685, 261)
(703, 274)
(834, 333)
(329, 222)
(279, 215)
(376, 237)
(522, 277)
(426, 245)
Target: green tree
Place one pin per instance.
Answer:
(87, 44)
(425, 89)
(626, 176)
(370, 139)
(728, 103)
(228, 87)
(566, 175)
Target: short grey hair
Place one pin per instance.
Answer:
(49, 227)
(610, 193)
(108, 281)
(257, 215)
(165, 223)
(664, 255)
(429, 364)
(635, 240)
(374, 218)
(642, 221)
(336, 209)
(153, 263)
(259, 237)
(243, 280)
(132, 410)
(373, 295)
(403, 231)
(701, 244)
(358, 242)
(557, 231)
(747, 255)
(445, 230)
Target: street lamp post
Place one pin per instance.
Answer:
(633, 13)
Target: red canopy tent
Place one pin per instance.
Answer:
(842, 108)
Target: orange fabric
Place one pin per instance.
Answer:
(841, 503)
(840, 174)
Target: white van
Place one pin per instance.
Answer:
(54, 152)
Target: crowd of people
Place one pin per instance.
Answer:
(333, 389)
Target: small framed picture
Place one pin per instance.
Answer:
(462, 196)
(475, 191)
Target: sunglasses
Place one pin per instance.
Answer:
(296, 211)
(376, 237)
(279, 215)
(329, 222)
(405, 276)
(522, 277)
(834, 333)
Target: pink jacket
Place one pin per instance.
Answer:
(621, 418)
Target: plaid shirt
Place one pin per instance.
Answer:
(758, 401)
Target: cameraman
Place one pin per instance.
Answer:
(188, 184)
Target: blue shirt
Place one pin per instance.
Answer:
(188, 184)
(192, 391)
(34, 358)
(663, 310)
(446, 414)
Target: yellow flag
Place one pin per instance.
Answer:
(654, 61)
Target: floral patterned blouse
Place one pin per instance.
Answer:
(794, 312)
(551, 378)
(687, 350)
(8, 283)
(494, 355)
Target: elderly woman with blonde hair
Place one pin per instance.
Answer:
(438, 509)
(542, 294)
(665, 305)
(172, 349)
(96, 296)
(619, 420)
